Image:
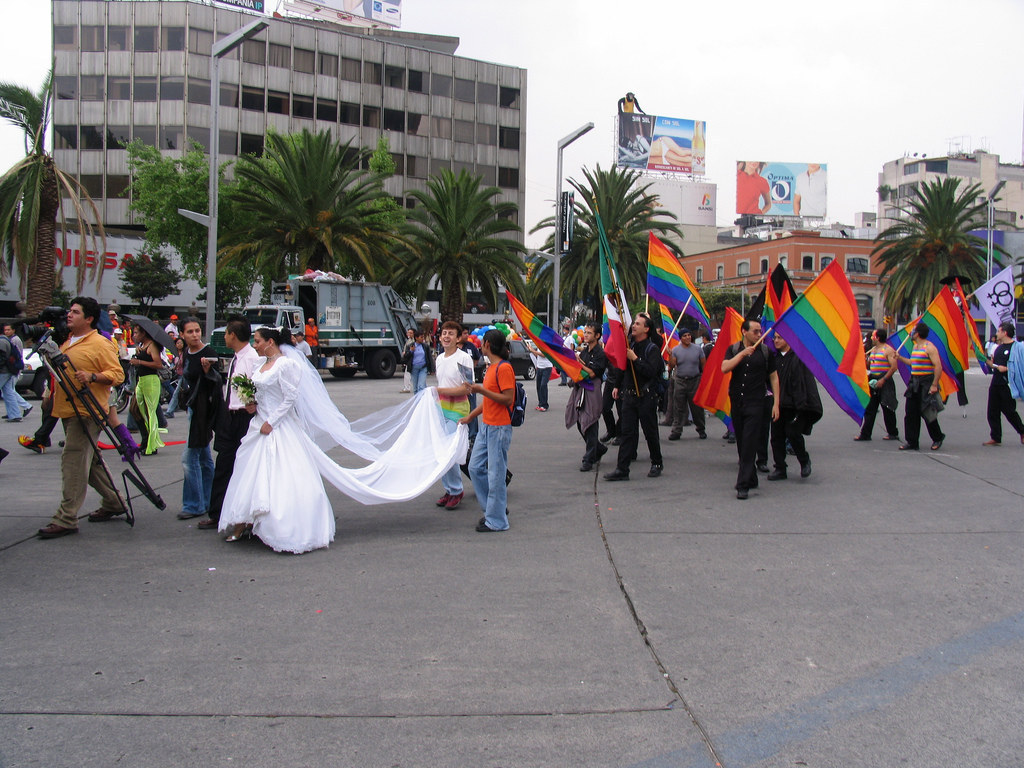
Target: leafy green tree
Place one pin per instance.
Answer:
(309, 202)
(461, 236)
(629, 213)
(932, 241)
(149, 279)
(717, 299)
(30, 198)
(385, 211)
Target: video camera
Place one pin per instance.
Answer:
(53, 319)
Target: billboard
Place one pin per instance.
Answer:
(692, 202)
(781, 189)
(358, 12)
(246, 5)
(658, 143)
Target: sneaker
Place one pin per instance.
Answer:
(454, 501)
(540, 408)
(27, 411)
(30, 443)
(443, 501)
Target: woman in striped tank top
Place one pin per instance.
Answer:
(881, 369)
(923, 391)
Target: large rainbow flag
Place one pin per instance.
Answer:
(947, 332)
(972, 328)
(668, 330)
(668, 283)
(548, 342)
(823, 328)
(713, 392)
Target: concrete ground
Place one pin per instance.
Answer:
(872, 614)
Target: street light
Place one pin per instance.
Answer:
(221, 48)
(989, 256)
(556, 288)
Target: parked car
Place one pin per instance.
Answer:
(34, 375)
(519, 357)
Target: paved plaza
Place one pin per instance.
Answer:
(872, 614)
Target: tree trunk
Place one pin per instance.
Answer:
(452, 303)
(42, 270)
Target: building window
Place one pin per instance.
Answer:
(200, 136)
(146, 134)
(328, 64)
(92, 185)
(200, 41)
(119, 88)
(66, 87)
(857, 265)
(764, 266)
(327, 110)
(784, 260)
(720, 272)
(254, 52)
(277, 102)
(145, 39)
(349, 114)
(228, 144)
(488, 175)
(458, 167)
(92, 87)
(742, 268)
(416, 81)
(399, 161)
(486, 134)
(371, 117)
(440, 85)
(252, 144)
(910, 169)
(508, 138)
(936, 166)
(92, 38)
(437, 165)
(486, 93)
(700, 274)
(198, 91)
(825, 261)
(442, 127)
(172, 137)
(464, 131)
(229, 94)
(65, 137)
(279, 56)
(394, 120)
(807, 262)
(252, 98)
(117, 38)
(145, 89)
(417, 125)
(465, 90)
(508, 178)
(172, 39)
(509, 97)
(410, 203)
(394, 77)
(65, 38)
(350, 70)
(118, 136)
(371, 73)
(302, 107)
(415, 167)
(304, 61)
(172, 89)
(865, 304)
(117, 185)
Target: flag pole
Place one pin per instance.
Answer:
(674, 327)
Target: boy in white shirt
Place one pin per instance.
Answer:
(454, 368)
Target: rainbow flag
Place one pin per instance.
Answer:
(775, 298)
(713, 392)
(548, 342)
(668, 330)
(823, 328)
(947, 332)
(668, 283)
(900, 341)
(972, 329)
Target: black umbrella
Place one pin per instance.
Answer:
(952, 278)
(154, 331)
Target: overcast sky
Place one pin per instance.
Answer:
(852, 85)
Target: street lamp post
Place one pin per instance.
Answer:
(989, 256)
(221, 48)
(557, 286)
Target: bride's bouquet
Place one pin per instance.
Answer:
(245, 388)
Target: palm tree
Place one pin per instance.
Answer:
(628, 213)
(30, 198)
(312, 206)
(458, 235)
(930, 242)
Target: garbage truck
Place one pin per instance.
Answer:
(362, 326)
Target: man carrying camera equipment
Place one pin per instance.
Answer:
(95, 368)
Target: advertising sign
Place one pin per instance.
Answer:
(781, 189)
(246, 5)
(692, 202)
(358, 12)
(658, 143)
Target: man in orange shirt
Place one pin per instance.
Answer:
(489, 462)
(313, 339)
(96, 366)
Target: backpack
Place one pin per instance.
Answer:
(516, 411)
(10, 358)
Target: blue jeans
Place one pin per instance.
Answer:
(198, 485)
(172, 404)
(543, 377)
(12, 400)
(419, 378)
(487, 471)
(452, 479)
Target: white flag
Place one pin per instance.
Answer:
(996, 297)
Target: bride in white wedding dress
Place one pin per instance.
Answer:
(277, 488)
